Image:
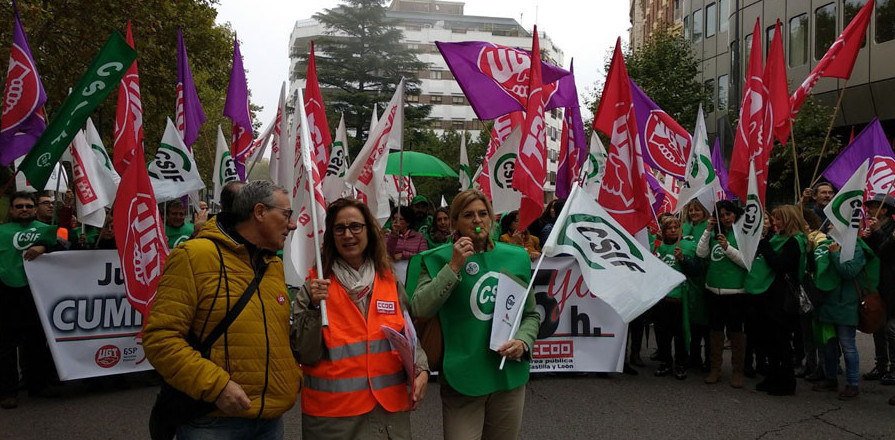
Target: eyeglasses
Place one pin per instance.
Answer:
(288, 211)
(23, 206)
(45, 202)
(355, 228)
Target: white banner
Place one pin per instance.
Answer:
(90, 326)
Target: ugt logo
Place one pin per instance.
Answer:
(509, 68)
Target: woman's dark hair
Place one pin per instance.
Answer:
(405, 212)
(506, 220)
(729, 206)
(375, 251)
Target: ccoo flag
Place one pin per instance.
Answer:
(91, 183)
(23, 120)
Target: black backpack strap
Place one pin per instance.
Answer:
(204, 346)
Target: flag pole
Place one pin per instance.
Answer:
(518, 321)
(829, 130)
(885, 197)
(795, 163)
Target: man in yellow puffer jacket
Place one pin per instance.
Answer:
(250, 373)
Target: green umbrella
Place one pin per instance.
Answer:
(418, 164)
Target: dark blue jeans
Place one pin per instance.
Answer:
(845, 338)
(232, 428)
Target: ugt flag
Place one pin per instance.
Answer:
(871, 143)
(616, 268)
(666, 145)
(23, 120)
(844, 213)
(128, 140)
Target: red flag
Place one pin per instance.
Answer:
(753, 137)
(623, 191)
(320, 137)
(503, 126)
(139, 235)
(778, 86)
(839, 60)
(530, 162)
(128, 118)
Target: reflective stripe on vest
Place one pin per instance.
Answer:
(358, 369)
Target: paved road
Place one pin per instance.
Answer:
(557, 407)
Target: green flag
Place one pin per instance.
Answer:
(104, 73)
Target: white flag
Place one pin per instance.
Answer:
(595, 166)
(302, 245)
(748, 228)
(224, 167)
(465, 172)
(96, 144)
(173, 173)
(279, 136)
(53, 183)
(701, 181)
(844, 213)
(334, 186)
(368, 170)
(407, 191)
(444, 203)
(508, 302)
(502, 165)
(91, 183)
(615, 267)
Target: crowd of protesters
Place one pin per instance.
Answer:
(720, 306)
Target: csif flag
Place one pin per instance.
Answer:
(173, 173)
(224, 168)
(594, 167)
(334, 186)
(748, 228)
(23, 118)
(367, 173)
(615, 267)
(188, 112)
(106, 69)
(99, 150)
(236, 108)
(623, 191)
(844, 212)
(499, 132)
(701, 181)
(531, 171)
(502, 166)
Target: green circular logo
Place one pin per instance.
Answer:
(482, 296)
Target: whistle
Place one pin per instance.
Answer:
(478, 229)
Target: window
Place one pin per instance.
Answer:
(412, 98)
(710, 88)
(798, 40)
(677, 10)
(435, 99)
(687, 27)
(747, 50)
(457, 100)
(723, 90)
(435, 74)
(551, 176)
(824, 29)
(697, 26)
(711, 19)
(724, 10)
(552, 133)
(458, 125)
(885, 20)
(769, 35)
(850, 8)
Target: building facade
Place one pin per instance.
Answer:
(423, 22)
(721, 34)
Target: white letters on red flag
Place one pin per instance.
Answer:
(839, 60)
(368, 170)
(623, 191)
(753, 136)
(502, 128)
(319, 128)
(129, 117)
(139, 235)
(91, 183)
(530, 162)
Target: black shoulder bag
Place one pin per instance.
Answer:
(173, 407)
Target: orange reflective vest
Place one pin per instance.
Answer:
(359, 368)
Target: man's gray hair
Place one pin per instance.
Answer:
(258, 191)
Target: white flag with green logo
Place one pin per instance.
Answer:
(173, 173)
(224, 167)
(595, 166)
(616, 268)
(96, 144)
(844, 213)
(701, 181)
(334, 186)
(748, 228)
(465, 173)
(504, 197)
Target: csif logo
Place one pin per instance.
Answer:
(504, 168)
(23, 240)
(601, 243)
(483, 295)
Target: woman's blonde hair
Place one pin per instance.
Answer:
(793, 223)
(464, 199)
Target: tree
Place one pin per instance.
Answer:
(65, 35)
(667, 70)
(360, 61)
(447, 148)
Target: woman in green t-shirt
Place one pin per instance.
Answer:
(695, 218)
(725, 294)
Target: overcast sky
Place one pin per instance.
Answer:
(584, 30)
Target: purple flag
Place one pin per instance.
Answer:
(573, 150)
(495, 78)
(189, 112)
(23, 120)
(657, 190)
(664, 143)
(237, 109)
(870, 142)
(720, 169)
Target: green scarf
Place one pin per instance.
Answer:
(761, 276)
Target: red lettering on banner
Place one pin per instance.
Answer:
(565, 290)
(553, 349)
(84, 189)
